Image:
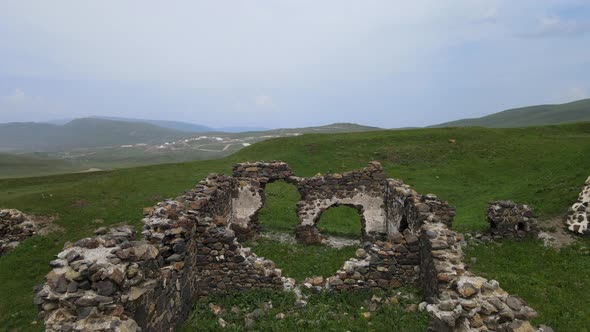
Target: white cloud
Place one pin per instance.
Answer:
(16, 97)
(264, 102)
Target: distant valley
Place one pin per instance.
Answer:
(29, 149)
(104, 143)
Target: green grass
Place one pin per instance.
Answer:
(554, 283)
(544, 167)
(20, 165)
(299, 261)
(324, 312)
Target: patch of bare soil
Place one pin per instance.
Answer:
(554, 233)
(46, 225)
(330, 241)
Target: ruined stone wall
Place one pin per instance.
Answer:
(509, 220)
(380, 264)
(578, 220)
(362, 189)
(406, 209)
(15, 227)
(459, 300)
(266, 172)
(112, 283)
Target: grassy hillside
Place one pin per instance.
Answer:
(90, 143)
(80, 133)
(544, 167)
(20, 166)
(530, 116)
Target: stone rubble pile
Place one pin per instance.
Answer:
(15, 226)
(578, 220)
(509, 220)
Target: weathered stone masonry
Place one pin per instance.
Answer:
(578, 220)
(190, 248)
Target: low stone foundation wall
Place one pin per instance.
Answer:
(509, 220)
(112, 283)
(15, 226)
(381, 264)
(578, 220)
(190, 248)
(461, 301)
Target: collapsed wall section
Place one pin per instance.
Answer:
(407, 210)
(509, 220)
(459, 300)
(113, 283)
(15, 227)
(578, 220)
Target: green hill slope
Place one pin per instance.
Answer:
(19, 166)
(544, 167)
(80, 133)
(576, 111)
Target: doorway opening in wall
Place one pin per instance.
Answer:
(342, 221)
(278, 213)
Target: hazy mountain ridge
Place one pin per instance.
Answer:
(538, 115)
(176, 125)
(80, 133)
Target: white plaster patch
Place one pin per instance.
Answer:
(245, 206)
(373, 210)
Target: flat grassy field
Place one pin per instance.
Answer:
(544, 167)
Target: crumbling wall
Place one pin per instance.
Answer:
(362, 189)
(15, 226)
(406, 209)
(250, 197)
(459, 300)
(111, 282)
(380, 264)
(265, 172)
(509, 220)
(578, 220)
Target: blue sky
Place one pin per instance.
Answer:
(290, 63)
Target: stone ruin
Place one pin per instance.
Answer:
(509, 220)
(15, 227)
(190, 248)
(578, 220)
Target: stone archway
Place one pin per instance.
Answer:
(249, 196)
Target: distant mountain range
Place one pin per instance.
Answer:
(108, 132)
(540, 115)
(80, 133)
(188, 127)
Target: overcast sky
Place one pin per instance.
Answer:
(290, 63)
